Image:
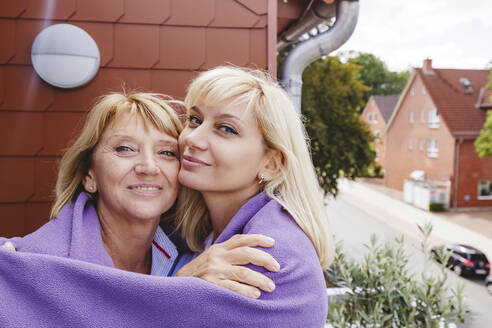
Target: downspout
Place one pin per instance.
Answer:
(456, 172)
(347, 13)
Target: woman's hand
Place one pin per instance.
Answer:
(9, 246)
(221, 264)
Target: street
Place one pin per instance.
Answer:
(353, 226)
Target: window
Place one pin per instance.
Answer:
(423, 91)
(410, 144)
(422, 116)
(377, 134)
(432, 149)
(411, 117)
(369, 118)
(374, 118)
(377, 156)
(485, 190)
(433, 118)
(412, 91)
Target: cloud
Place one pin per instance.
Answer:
(402, 33)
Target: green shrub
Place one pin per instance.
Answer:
(384, 293)
(436, 207)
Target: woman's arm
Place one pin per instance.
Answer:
(223, 265)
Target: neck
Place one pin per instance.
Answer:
(128, 243)
(222, 206)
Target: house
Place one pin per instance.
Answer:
(438, 116)
(376, 114)
(148, 45)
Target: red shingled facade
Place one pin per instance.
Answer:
(151, 45)
(460, 120)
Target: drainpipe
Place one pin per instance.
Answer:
(456, 172)
(347, 13)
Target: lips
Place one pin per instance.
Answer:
(145, 188)
(190, 161)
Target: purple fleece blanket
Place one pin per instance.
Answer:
(42, 290)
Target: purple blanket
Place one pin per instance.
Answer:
(41, 290)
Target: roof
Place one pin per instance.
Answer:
(454, 103)
(386, 105)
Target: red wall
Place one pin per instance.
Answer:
(151, 45)
(472, 169)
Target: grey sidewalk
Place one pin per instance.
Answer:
(387, 205)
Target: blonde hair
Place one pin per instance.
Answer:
(152, 108)
(296, 188)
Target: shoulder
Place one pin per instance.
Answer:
(300, 274)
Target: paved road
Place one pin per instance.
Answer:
(354, 226)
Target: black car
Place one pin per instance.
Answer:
(465, 260)
(488, 284)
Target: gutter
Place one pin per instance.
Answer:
(456, 171)
(303, 54)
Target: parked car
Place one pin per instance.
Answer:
(464, 260)
(488, 284)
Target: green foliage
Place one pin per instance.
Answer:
(331, 103)
(384, 293)
(377, 77)
(483, 144)
(436, 207)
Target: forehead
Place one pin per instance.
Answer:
(132, 124)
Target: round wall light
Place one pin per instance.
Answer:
(65, 56)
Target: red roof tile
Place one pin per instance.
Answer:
(18, 174)
(103, 34)
(258, 48)
(457, 107)
(45, 173)
(181, 47)
(262, 22)
(26, 31)
(135, 46)
(99, 11)
(118, 79)
(50, 9)
(25, 90)
(24, 132)
(12, 8)
(236, 50)
(78, 99)
(7, 46)
(232, 14)
(60, 129)
(260, 7)
(37, 214)
(13, 220)
(2, 84)
(171, 82)
(202, 14)
(137, 11)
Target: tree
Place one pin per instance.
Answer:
(332, 97)
(375, 75)
(483, 144)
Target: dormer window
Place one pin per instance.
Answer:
(467, 86)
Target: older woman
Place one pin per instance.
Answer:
(115, 182)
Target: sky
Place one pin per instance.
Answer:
(453, 33)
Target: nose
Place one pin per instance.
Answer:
(146, 164)
(195, 138)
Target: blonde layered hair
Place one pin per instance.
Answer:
(154, 109)
(296, 188)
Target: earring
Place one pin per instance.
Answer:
(91, 188)
(262, 179)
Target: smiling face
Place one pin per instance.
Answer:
(222, 151)
(134, 168)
